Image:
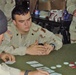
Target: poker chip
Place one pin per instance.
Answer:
(71, 62)
(66, 63)
(75, 62)
(71, 65)
(58, 66)
(53, 67)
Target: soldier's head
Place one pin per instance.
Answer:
(3, 25)
(20, 10)
(21, 18)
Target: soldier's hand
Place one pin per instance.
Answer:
(74, 13)
(7, 57)
(38, 72)
(49, 48)
(36, 50)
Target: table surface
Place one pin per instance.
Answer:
(66, 53)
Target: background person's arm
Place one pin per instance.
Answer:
(71, 6)
(4, 69)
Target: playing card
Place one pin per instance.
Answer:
(45, 69)
(50, 71)
(36, 65)
(32, 62)
(10, 62)
(42, 68)
(55, 73)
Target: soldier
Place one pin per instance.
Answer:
(3, 28)
(71, 7)
(4, 69)
(23, 36)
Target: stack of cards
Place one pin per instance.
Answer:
(34, 64)
(40, 66)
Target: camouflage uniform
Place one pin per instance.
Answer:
(71, 6)
(16, 44)
(6, 6)
(5, 70)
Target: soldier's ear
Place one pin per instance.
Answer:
(14, 22)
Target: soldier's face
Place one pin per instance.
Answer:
(23, 22)
(1, 38)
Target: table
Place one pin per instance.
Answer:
(66, 53)
(56, 27)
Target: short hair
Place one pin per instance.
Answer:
(19, 10)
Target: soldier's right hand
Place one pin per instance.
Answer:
(36, 50)
(38, 72)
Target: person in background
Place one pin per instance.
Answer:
(32, 4)
(4, 69)
(71, 8)
(23, 36)
(7, 6)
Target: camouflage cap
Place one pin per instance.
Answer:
(3, 23)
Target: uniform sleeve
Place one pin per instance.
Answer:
(50, 37)
(57, 41)
(6, 70)
(9, 49)
(6, 46)
(71, 6)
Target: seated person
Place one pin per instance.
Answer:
(23, 36)
(71, 8)
(4, 69)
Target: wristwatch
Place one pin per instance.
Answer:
(53, 45)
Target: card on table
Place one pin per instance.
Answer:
(45, 69)
(36, 65)
(55, 73)
(10, 62)
(32, 62)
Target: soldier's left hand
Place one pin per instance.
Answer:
(7, 57)
(49, 48)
